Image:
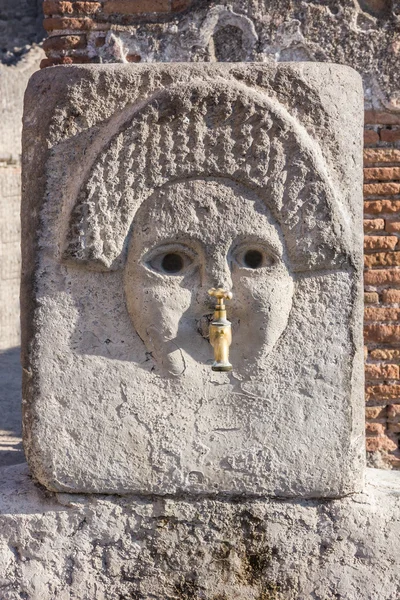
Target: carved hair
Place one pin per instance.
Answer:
(202, 130)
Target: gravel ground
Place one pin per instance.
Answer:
(11, 451)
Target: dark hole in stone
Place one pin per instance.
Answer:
(228, 44)
(376, 8)
(172, 263)
(253, 259)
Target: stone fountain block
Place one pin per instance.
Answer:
(129, 169)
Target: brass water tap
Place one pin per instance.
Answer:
(220, 331)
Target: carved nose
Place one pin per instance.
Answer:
(217, 273)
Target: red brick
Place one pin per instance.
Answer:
(382, 173)
(393, 413)
(386, 334)
(376, 412)
(381, 371)
(134, 7)
(381, 314)
(61, 7)
(59, 23)
(64, 60)
(100, 41)
(133, 58)
(376, 444)
(53, 7)
(371, 298)
(382, 392)
(392, 226)
(385, 354)
(374, 429)
(66, 42)
(373, 225)
(382, 277)
(390, 135)
(381, 189)
(376, 117)
(380, 242)
(370, 137)
(394, 427)
(46, 62)
(179, 5)
(377, 207)
(391, 296)
(382, 259)
(374, 156)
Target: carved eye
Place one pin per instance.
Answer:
(170, 261)
(254, 258)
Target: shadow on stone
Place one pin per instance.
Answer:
(11, 451)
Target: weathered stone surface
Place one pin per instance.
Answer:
(109, 548)
(127, 164)
(350, 32)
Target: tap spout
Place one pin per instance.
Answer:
(220, 331)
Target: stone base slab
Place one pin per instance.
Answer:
(108, 547)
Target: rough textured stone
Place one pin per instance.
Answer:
(205, 161)
(348, 33)
(109, 548)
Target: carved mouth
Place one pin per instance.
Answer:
(203, 325)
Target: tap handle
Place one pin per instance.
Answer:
(221, 295)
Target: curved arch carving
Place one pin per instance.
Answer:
(212, 129)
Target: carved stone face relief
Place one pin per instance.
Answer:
(175, 179)
(193, 235)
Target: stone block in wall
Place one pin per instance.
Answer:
(129, 167)
(63, 546)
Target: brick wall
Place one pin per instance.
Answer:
(81, 32)
(79, 28)
(382, 283)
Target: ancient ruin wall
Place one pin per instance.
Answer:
(363, 34)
